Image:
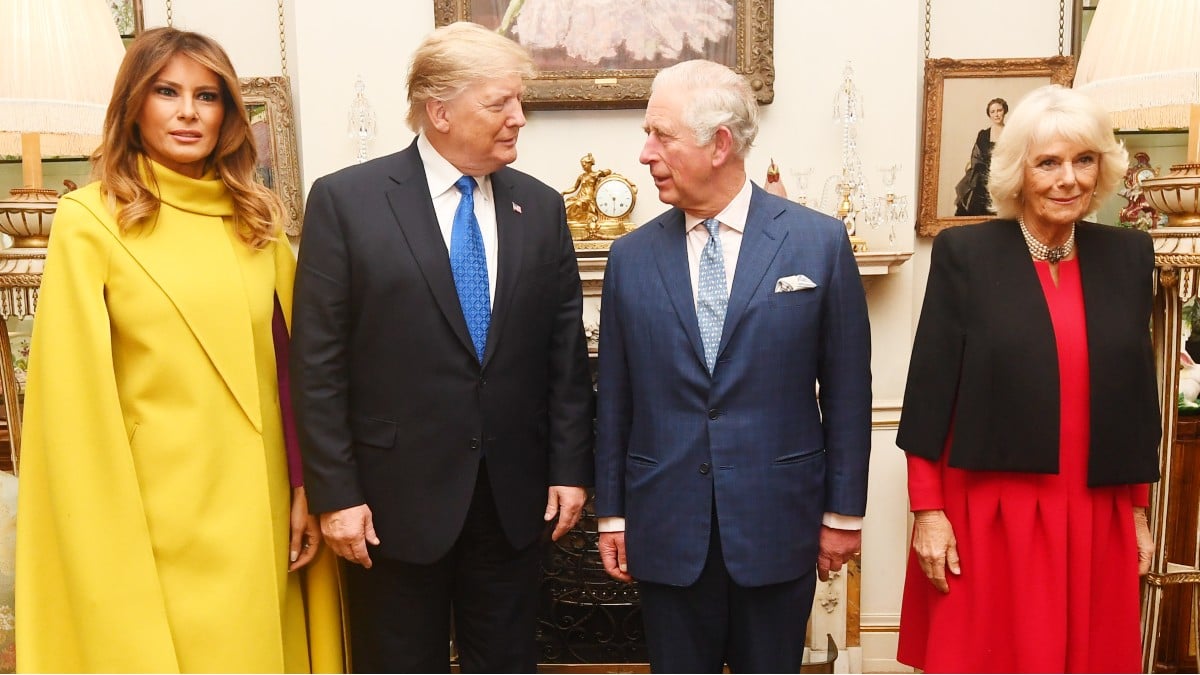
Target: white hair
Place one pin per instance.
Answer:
(717, 97)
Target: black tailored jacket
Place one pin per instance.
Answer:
(393, 407)
(984, 358)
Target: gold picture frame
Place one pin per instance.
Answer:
(268, 102)
(128, 16)
(957, 94)
(569, 79)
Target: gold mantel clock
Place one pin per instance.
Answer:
(598, 206)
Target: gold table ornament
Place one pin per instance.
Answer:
(599, 205)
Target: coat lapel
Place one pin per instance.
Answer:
(412, 207)
(1096, 264)
(222, 328)
(761, 240)
(510, 233)
(670, 251)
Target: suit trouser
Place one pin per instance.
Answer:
(713, 622)
(400, 612)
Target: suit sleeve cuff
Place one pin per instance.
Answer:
(610, 524)
(840, 522)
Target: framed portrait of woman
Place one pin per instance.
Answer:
(605, 55)
(966, 103)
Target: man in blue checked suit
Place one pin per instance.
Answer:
(439, 372)
(734, 394)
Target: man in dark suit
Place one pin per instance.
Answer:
(440, 371)
(724, 480)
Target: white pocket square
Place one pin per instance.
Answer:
(796, 282)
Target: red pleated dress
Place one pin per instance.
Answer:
(1049, 566)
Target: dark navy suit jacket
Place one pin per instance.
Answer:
(755, 435)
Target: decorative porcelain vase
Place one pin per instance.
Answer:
(26, 216)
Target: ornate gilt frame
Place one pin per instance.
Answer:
(275, 93)
(1054, 69)
(136, 18)
(607, 89)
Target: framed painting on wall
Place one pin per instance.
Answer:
(128, 15)
(606, 56)
(965, 104)
(268, 102)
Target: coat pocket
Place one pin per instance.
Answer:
(798, 457)
(373, 431)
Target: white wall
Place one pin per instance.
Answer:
(330, 44)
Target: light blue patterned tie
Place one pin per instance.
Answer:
(468, 263)
(713, 295)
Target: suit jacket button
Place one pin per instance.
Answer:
(713, 414)
(704, 468)
(474, 443)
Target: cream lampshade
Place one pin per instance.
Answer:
(1141, 61)
(58, 62)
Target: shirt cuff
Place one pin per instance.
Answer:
(840, 522)
(610, 524)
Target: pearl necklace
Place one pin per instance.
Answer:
(1040, 251)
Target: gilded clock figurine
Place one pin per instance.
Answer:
(599, 203)
(1137, 212)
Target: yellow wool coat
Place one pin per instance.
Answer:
(154, 504)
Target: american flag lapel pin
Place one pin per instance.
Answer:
(516, 207)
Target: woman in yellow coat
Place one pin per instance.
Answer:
(158, 528)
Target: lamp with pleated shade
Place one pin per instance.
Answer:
(58, 62)
(1141, 61)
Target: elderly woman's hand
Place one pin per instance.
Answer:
(933, 541)
(1145, 541)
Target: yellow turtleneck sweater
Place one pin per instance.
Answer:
(154, 500)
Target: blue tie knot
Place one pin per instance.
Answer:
(713, 226)
(466, 187)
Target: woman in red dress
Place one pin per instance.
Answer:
(1031, 416)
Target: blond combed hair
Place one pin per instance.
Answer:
(1046, 114)
(454, 57)
(257, 211)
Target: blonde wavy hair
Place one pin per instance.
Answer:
(257, 211)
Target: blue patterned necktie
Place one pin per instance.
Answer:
(468, 263)
(713, 295)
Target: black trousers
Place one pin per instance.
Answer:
(400, 612)
(713, 622)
